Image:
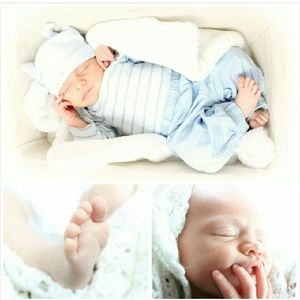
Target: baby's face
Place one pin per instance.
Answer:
(221, 230)
(82, 86)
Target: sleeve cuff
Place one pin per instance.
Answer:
(238, 118)
(88, 131)
(261, 104)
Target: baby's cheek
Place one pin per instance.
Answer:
(220, 258)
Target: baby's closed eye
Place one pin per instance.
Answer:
(226, 232)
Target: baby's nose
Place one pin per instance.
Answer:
(254, 247)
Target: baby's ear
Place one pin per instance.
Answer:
(29, 69)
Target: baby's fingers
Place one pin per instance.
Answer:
(247, 283)
(101, 64)
(108, 53)
(263, 117)
(254, 124)
(261, 282)
(261, 121)
(104, 53)
(266, 113)
(225, 287)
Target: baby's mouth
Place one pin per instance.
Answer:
(250, 267)
(250, 270)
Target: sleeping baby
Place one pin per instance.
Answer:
(208, 243)
(102, 94)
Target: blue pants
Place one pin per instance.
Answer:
(207, 125)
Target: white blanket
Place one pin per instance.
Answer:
(181, 46)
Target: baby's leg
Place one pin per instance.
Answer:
(18, 234)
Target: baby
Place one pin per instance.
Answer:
(221, 251)
(72, 262)
(101, 94)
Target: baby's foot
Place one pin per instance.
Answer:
(248, 95)
(85, 237)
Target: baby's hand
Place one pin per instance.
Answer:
(261, 290)
(66, 110)
(259, 118)
(104, 55)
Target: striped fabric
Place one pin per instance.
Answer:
(133, 96)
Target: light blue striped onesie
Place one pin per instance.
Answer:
(200, 120)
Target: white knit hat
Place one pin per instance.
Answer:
(58, 56)
(170, 205)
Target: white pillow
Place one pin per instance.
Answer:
(181, 46)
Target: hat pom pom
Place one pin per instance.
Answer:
(48, 30)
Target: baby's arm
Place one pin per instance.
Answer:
(248, 289)
(81, 125)
(95, 128)
(66, 110)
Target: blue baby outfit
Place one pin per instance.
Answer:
(206, 125)
(201, 121)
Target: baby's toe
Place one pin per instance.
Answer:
(247, 82)
(99, 213)
(70, 248)
(85, 205)
(254, 89)
(257, 94)
(72, 230)
(79, 217)
(251, 84)
(241, 81)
